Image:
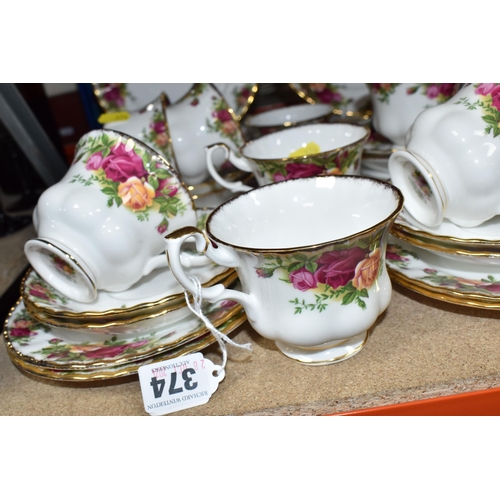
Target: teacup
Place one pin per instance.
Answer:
(336, 150)
(396, 105)
(102, 225)
(313, 283)
(451, 166)
(272, 120)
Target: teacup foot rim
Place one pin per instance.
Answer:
(327, 356)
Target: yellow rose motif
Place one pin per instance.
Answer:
(135, 194)
(367, 270)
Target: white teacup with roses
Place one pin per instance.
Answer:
(102, 225)
(396, 105)
(338, 148)
(310, 255)
(451, 166)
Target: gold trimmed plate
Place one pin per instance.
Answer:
(39, 344)
(129, 369)
(443, 279)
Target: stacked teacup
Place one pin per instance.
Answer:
(100, 272)
(449, 174)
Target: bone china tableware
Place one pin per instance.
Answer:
(101, 226)
(313, 283)
(350, 100)
(435, 275)
(451, 166)
(274, 157)
(273, 120)
(396, 105)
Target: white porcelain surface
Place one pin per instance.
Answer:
(201, 118)
(289, 115)
(101, 226)
(270, 158)
(396, 105)
(451, 166)
(307, 284)
(133, 97)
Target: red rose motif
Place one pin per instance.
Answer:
(447, 89)
(21, 332)
(299, 170)
(113, 95)
(121, 164)
(303, 280)
(223, 115)
(158, 127)
(432, 91)
(338, 267)
(327, 96)
(106, 352)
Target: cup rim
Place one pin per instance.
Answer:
(328, 111)
(361, 140)
(392, 216)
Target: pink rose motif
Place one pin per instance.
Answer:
(394, 256)
(484, 88)
(303, 280)
(327, 96)
(166, 189)
(229, 128)
(121, 164)
(94, 162)
(432, 91)
(162, 228)
(223, 115)
(298, 170)
(158, 127)
(21, 332)
(338, 267)
(495, 97)
(494, 287)
(161, 139)
(39, 292)
(113, 95)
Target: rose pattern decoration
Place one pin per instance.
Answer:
(488, 101)
(112, 96)
(129, 176)
(344, 274)
(60, 266)
(337, 162)
(223, 122)
(37, 289)
(23, 328)
(398, 257)
(326, 93)
(383, 90)
(441, 92)
(157, 136)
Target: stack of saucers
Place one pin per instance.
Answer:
(450, 263)
(376, 154)
(52, 336)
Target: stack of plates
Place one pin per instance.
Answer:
(450, 263)
(52, 336)
(375, 158)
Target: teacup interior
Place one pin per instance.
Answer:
(304, 212)
(328, 136)
(289, 114)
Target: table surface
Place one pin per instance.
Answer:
(419, 348)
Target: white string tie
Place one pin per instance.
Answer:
(219, 336)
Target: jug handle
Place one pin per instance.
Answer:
(238, 162)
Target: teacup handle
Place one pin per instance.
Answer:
(238, 162)
(186, 260)
(220, 255)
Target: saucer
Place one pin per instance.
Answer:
(42, 345)
(485, 237)
(112, 372)
(351, 100)
(155, 293)
(442, 278)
